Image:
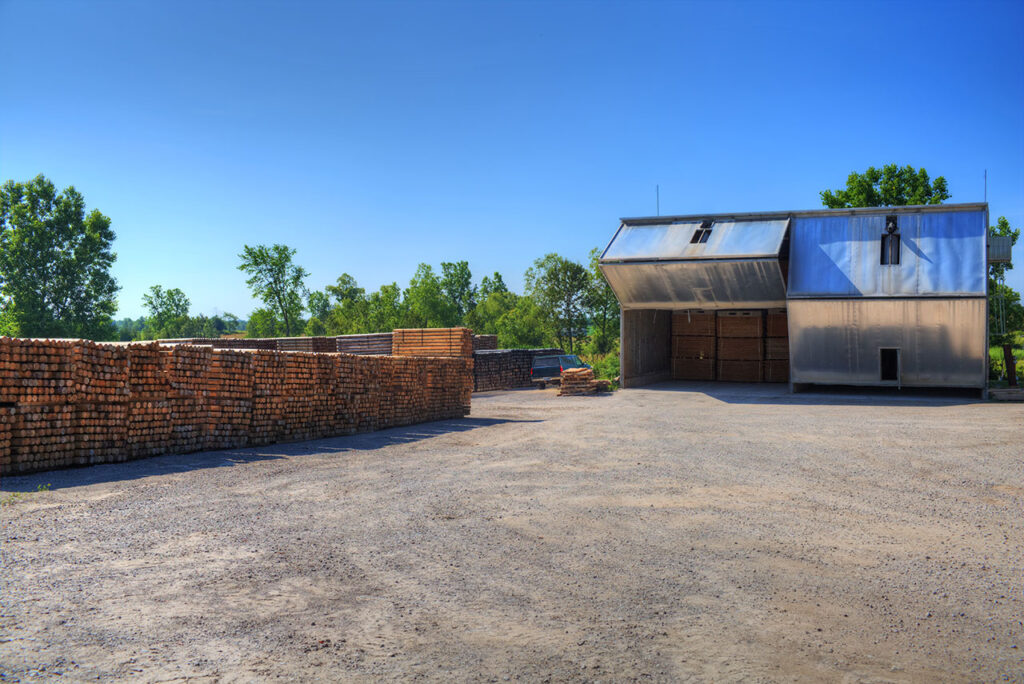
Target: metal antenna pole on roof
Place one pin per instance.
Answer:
(986, 185)
(657, 200)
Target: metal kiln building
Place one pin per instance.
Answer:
(889, 296)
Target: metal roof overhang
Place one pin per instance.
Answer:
(659, 266)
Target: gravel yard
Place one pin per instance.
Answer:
(673, 533)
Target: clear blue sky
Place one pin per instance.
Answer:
(374, 136)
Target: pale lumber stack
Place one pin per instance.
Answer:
(693, 345)
(374, 343)
(433, 342)
(776, 346)
(577, 381)
(740, 346)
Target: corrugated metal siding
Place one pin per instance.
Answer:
(698, 284)
(838, 256)
(837, 341)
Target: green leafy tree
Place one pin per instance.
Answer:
(457, 287)
(167, 310)
(484, 317)
(559, 287)
(385, 309)
(346, 289)
(602, 308)
(889, 186)
(55, 263)
(314, 328)
(263, 323)
(276, 281)
(1005, 312)
(491, 284)
(319, 304)
(425, 301)
(523, 327)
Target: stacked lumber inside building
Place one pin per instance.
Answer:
(485, 342)
(693, 345)
(776, 346)
(577, 381)
(503, 369)
(66, 403)
(433, 342)
(740, 346)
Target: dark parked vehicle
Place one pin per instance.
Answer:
(549, 368)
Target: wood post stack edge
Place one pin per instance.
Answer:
(75, 402)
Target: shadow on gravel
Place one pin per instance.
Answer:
(774, 393)
(179, 463)
(369, 441)
(132, 470)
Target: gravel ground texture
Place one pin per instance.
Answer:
(681, 532)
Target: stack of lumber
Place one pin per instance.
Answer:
(693, 345)
(227, 393)
(433, 342)
(375, 343)
(266, 423)
(100, 372)
(187, 367)
(6, 430)
(306, 344)
(76, 402)
(741, 346)
(101, 432)
(577, 381)
(43, 436)
(36, 371)
(776, 346)
(503, 369)
(485, 342)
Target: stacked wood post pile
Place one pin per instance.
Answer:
(503, 369)
(6, 430)
(227, 392)
(741, 346)
(75, 402)
(693, 345)
(307, 344)
(100, 372)
(482, 342)
(577, 381)
(776, 346)
(36, 371)
(267, 424)
(374, 343)
(433, 342)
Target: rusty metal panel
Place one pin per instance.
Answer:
(941, 254)
(726, 240)
(698, 284)
(942, 342)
